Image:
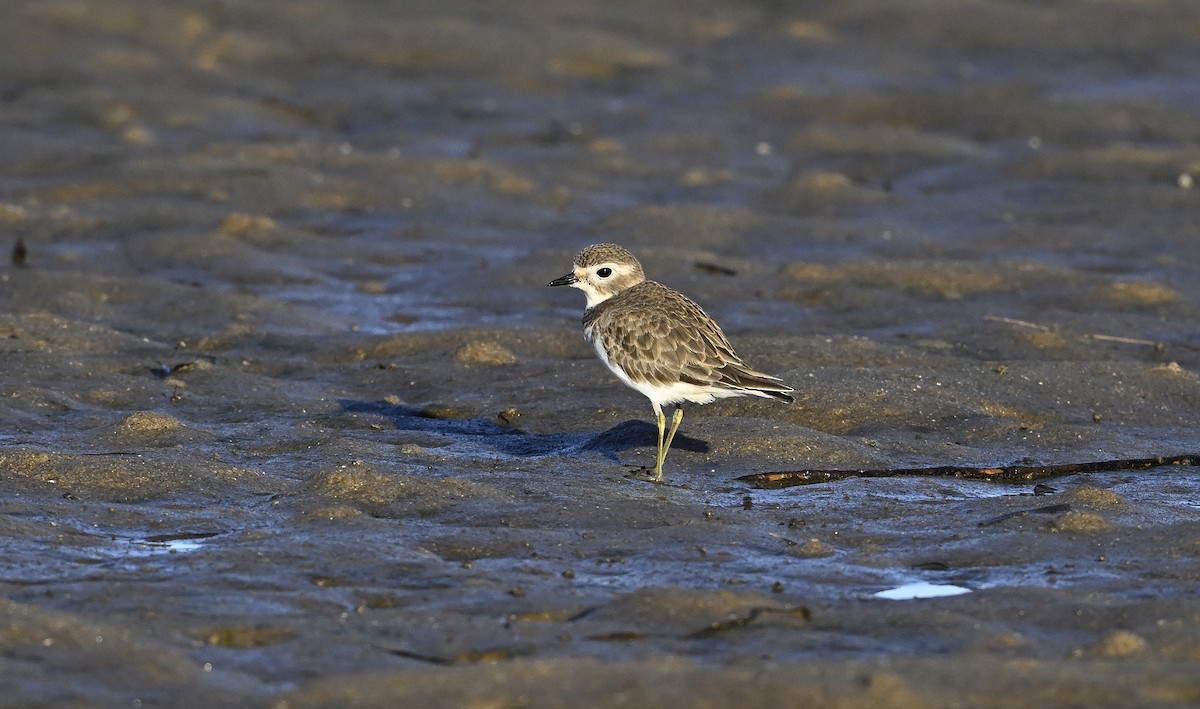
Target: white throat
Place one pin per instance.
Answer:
(594, 297)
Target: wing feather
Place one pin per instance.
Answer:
(660, 336)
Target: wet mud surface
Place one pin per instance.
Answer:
(290, 418)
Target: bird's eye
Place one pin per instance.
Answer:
(604, 272)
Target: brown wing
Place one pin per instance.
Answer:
(662, 344)
(667, 338)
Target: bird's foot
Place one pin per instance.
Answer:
(646, 475)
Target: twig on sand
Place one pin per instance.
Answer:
(1012, 473)
(1046, 510)
(1124, 340)
(1018, 323)
(785, 540)
(1158, 345)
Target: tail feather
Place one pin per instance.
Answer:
(758, 383)
(786, 398)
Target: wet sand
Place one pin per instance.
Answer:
(291, 420)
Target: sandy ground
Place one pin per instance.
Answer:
(291, 420)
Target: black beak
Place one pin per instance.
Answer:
(564, 280)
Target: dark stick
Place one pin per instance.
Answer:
(1012, 473)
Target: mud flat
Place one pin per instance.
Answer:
(291, 420)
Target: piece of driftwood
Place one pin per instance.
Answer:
(1011, 473)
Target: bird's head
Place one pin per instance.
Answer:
(601, 271)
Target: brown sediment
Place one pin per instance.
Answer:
(288, 417)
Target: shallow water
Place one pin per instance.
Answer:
(291, 418)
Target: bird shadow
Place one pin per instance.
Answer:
(634, 432)
(515, 442)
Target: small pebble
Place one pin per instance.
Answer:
(484, 352)
(1119, 643)
(812, 549)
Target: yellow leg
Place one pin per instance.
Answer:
(664, 446)
(670, 437)
(660, 456)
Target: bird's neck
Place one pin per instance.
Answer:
(595, 297)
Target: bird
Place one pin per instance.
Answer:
(658, 341)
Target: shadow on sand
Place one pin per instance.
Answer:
(515, 442)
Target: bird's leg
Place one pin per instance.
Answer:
(661, 455)
(675, 419)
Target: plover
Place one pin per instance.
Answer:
(659, 342)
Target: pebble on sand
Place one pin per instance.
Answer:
(485, 352)
(149, 422)
(1119, 643)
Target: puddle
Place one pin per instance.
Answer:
(180, 543)
(986, 283)
(921, 589)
